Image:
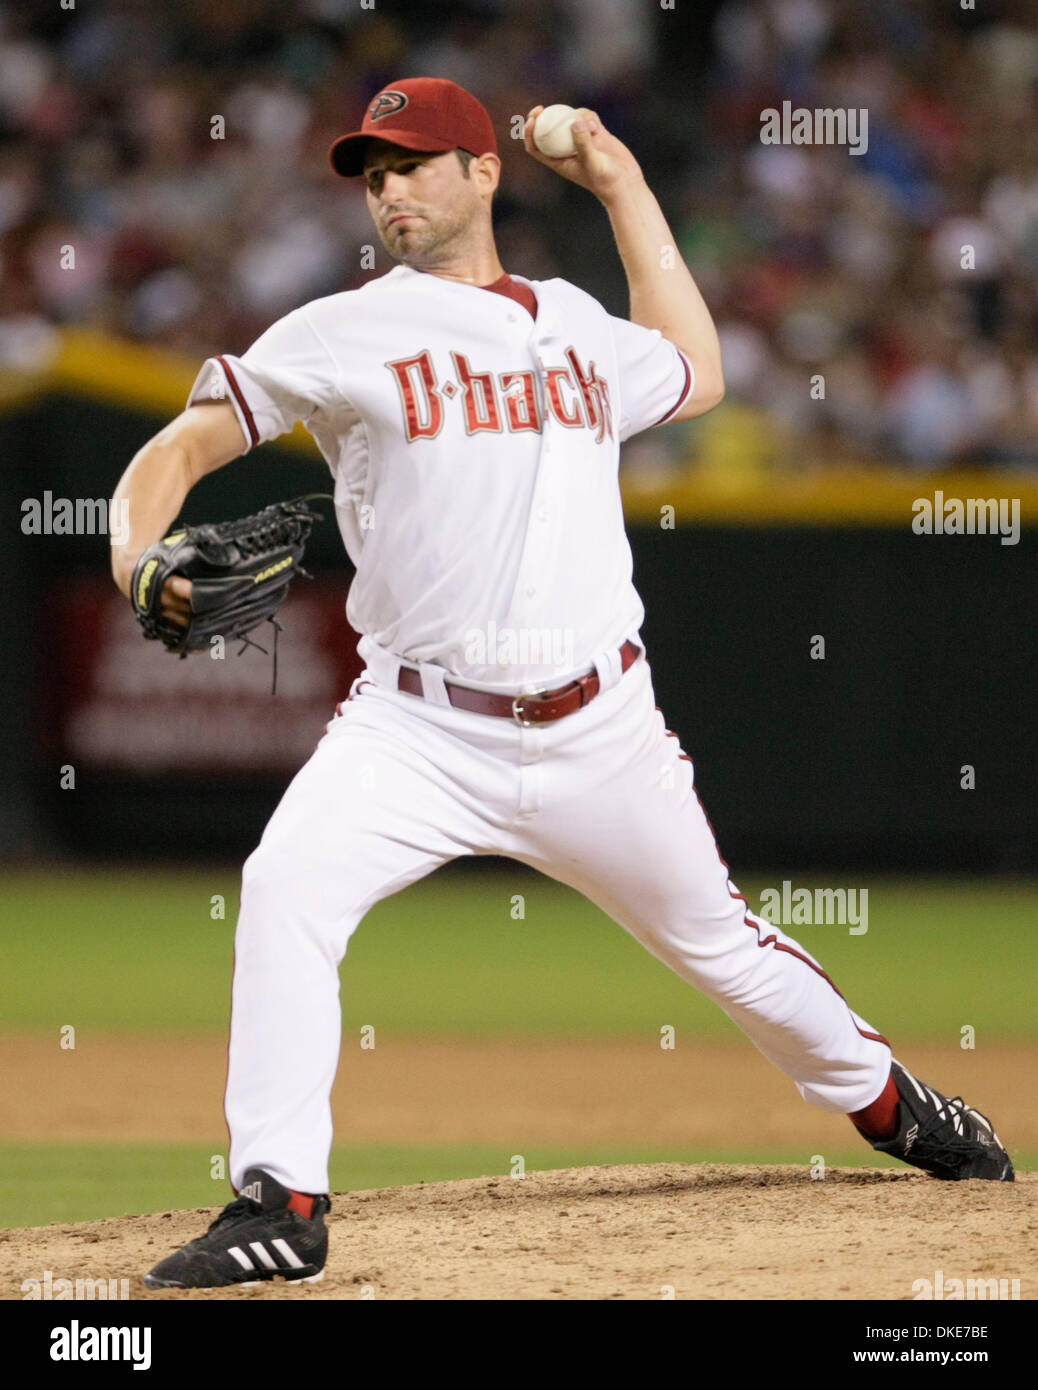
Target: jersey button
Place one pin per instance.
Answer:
(530, 591)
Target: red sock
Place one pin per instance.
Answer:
(302, 1202)
(879, 1120)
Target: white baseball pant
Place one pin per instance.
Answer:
(602, 800)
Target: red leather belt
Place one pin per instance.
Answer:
(532, 707)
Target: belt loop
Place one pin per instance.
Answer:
(433, 687)
(383, 666)
(609, 669)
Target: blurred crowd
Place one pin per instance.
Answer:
(877, 307)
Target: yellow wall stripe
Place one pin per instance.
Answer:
(110, 370)
(864, 496)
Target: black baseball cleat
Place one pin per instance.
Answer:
(945, 1137)
(255, 1237)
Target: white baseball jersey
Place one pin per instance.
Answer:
(475, 452)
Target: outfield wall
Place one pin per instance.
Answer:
(854, 759)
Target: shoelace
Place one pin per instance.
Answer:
(954, 1145)
(241, 1206)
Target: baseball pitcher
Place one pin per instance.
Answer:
(472, 421)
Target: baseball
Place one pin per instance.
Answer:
(552, 133)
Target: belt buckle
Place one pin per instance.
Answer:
(517, 713)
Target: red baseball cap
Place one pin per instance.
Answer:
(420, 113)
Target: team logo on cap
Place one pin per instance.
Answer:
(386, 103)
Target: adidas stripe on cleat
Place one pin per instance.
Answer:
(945, 1137)
(255, 1238)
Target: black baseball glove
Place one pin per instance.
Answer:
(240, 572)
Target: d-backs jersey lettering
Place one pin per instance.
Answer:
(475, 453)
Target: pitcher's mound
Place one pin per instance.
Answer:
(650, 1231)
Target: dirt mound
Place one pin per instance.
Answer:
(634, 1232)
